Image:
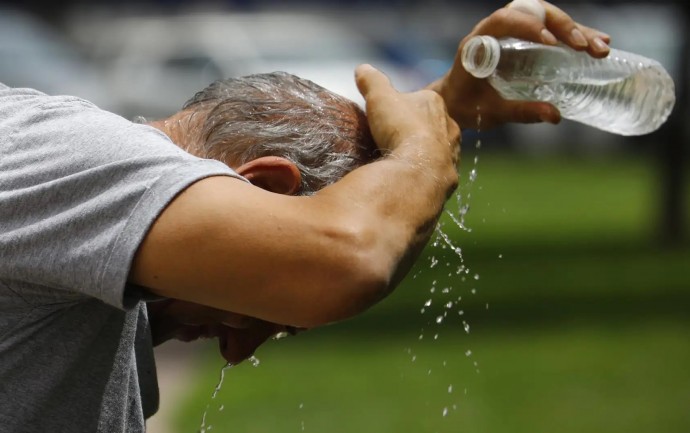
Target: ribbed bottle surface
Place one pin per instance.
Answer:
(624, 93)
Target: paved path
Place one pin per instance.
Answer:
(175, 362)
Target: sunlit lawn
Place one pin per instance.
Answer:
(607, 378)
(577, 320)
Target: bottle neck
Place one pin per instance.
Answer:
(480, 56)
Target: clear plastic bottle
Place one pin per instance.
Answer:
(624, 93)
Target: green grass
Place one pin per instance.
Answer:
(578, 322)
(607, 378)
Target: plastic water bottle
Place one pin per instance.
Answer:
(624, 93)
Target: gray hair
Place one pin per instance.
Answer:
(278, 114)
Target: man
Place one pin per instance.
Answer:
(99, 215)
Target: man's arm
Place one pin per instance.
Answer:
(468, 97)
(306, 261)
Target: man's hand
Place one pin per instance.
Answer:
(467, 96)
(398, 119)
(238, 336)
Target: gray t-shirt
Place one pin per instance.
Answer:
(79, 188)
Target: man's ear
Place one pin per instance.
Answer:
(272, 173)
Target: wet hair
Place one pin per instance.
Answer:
(278, 114)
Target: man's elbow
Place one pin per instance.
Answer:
(361, 278)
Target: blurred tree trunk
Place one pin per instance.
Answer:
(672, 221)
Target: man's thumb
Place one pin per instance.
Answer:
(370, 80)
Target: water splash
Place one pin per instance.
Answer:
(204, 428)
(253, 360)
(441, 310)
(473, 175)
(301, 406)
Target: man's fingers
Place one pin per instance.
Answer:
(516, 23)
(523, 19)
(531, 7)
(237, 345)
(576, 35)
(532, 112)
(371, 80)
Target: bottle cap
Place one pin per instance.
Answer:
(480, 56)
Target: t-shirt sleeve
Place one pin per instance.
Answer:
(79, 189)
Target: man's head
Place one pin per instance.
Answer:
(284, 134)
(241, 121)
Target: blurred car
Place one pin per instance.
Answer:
(35, 55)
(156, 63)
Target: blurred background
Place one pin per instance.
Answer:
(567, 308)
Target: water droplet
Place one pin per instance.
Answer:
(434, 262)
(478, 145)
(449, 305)
(432, 290)
(301, 405)
(220, 409)
(468, 353)
(427, 303)
(450, 389)
(476, 276)
(474, 291)
(476, 159)
(421, 336)
(439, 319)
(487, 305)
(428, 373)
(414, 358)
(435, 336)
(280, 335)
(466, 326)
(254, 361)
(473, 175)
(446, 289)
(500, 256)
(460, 312)
(445, 411)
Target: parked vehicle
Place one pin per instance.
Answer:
(156, 63)
(34, 55)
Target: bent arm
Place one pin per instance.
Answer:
(306, 261)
